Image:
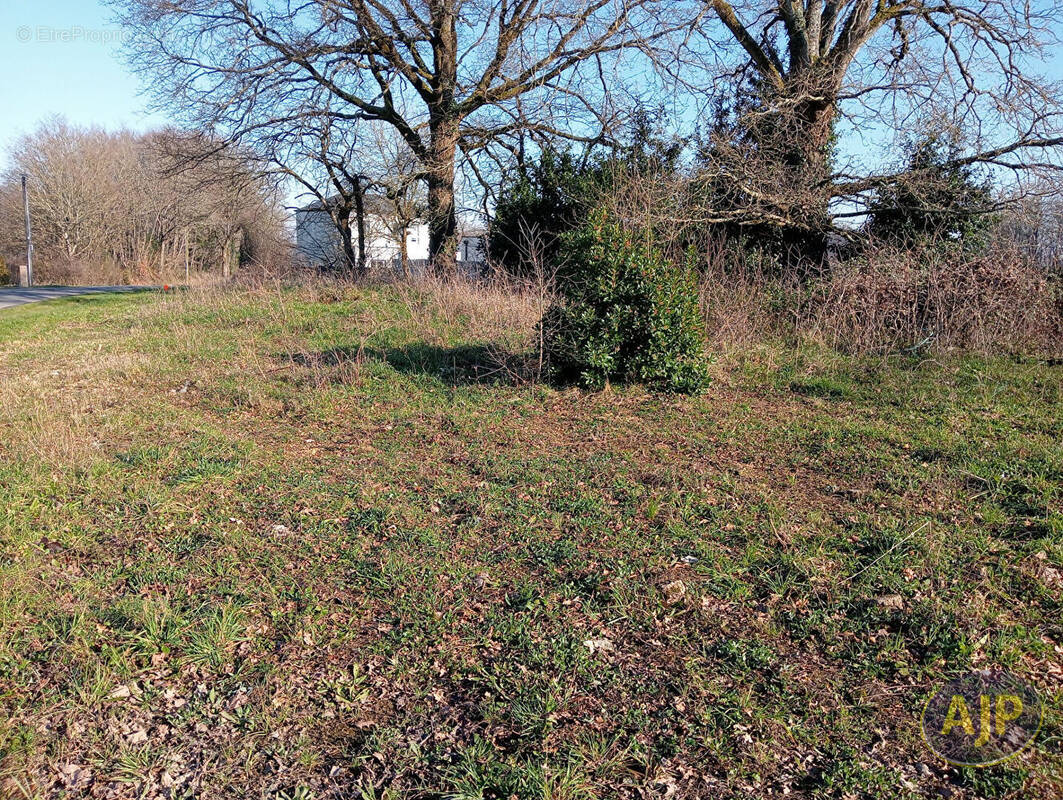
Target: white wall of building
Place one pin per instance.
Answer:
(472, 249)
(319, 244)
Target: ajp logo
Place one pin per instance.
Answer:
(982, 718)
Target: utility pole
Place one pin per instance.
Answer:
(29, 232)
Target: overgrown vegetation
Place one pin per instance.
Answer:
(933, 270)
(341, 540)
(624, 313)
(935, 297)
(316, 543)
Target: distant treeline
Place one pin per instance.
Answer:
(121, 207)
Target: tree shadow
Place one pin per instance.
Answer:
(462, 365)
(333, 357)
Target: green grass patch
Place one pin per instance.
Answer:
(317, 543)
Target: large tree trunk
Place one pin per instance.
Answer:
(795, 141)
(815, 125)
(814, 122)
(404, 253)
(343, 225)
(815, 130)
(442, 216)
(359, 212)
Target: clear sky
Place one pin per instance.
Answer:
(61, 57)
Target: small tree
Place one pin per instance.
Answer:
(557, 194)
(625, 314)
(399, 180)
(934, 200)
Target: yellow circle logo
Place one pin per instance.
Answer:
(983, 718)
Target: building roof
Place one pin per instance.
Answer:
(374, 204)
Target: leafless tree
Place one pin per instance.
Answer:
(109, 207)
(326, 157)
(878, 66)
(363, 175)
(447, 75)
(399, 180)
(1035, 225)
(74, 197)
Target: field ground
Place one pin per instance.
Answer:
(306, 544)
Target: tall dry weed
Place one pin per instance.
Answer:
(910, 300)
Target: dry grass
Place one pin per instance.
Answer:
(742, 302)
(60, 402)
(897, 300)
(265, 542)
(56, 408)
(886, 302)
(491, 311)
(502, 315)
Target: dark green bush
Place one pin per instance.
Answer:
(625, 314)
(540, 203)
(544, 199)
(935, 200)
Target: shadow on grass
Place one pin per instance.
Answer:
(462, 365)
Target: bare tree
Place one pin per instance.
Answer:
(447, 75)
(1035, 225)
(74, 197)
(880, 66)
(109, 207)
(362, 175)
(348, 166)
(399, 180)
(326, 156)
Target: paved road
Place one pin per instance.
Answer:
(14, 296)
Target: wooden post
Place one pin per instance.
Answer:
(29, 232)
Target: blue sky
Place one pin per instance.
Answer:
(61, 57)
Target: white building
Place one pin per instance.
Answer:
(319, 244)
(473, 247)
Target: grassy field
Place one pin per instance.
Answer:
(314, 544)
